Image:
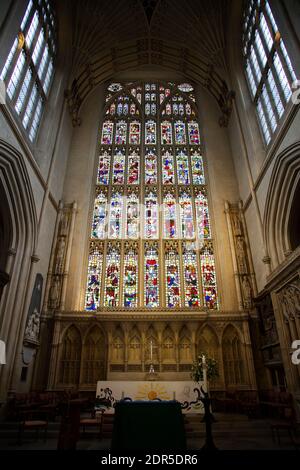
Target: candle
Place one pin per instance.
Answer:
(203, 359)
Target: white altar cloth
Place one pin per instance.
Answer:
(185, 392)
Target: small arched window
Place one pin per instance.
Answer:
(269, 70)
(29, 67)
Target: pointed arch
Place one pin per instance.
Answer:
(208, 342)
(70, 358)
(233, 357)
(135, 346)
(185, 346)
(94, 356)
(168, 345)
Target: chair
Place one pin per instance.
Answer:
(286, 423)
(31, 423)
(94, 421)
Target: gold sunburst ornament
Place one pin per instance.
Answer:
(21, 40)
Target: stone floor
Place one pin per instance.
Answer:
(230, 432)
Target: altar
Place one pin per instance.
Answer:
(187, 393)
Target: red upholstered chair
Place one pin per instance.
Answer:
(32, 422)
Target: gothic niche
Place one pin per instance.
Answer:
(32, 329)
(135, 347)
(69, 370)
(233, 357)
(185, 347)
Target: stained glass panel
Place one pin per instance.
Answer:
(112, 278)
(191, 277)
(103, 168)
(92, 296)
(183, 168)
(168, 168)
(151, 278)
(202, 214)
(197, 169)
(151, 216)
(99, 216)
(172, 280)
(150, 132)
(121, 133)
(166, 133)
(116, 210)
(133, 168)
(135, 133)
(186, 216)
(180, 136)
(209, 278)
(119, 167)
(150, 168)
(132, 216)
(107, 133)
(169, 216)
(130, 279)
(194, 137)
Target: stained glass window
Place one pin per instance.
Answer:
(131, 279)
(197, 168)
(151, 278)
(186, 216)
(150, 167)
(92, 296)
(133, 171)
(150, 132)
(104, 168)
(183, 168)
(132, 216)
(99, 216)
(116, 212)
(194, 137)
(134, 133)
(168, 175)
(186, 87)
(119, 167)
(191, 277)
(151, 216)
(107, 133)
(112, 278)
(180, 136)
(166, 133)
(202, 214)
(172, 279)
(169, 216)
(121, 133)
(208, 274)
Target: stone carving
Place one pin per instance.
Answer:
(247, 292)
(61, 244)
(290, 301)
(240, 253)
(54, 293)
(237, 226)
(33, 326)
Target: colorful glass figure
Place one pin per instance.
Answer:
(119, 167)
(132, 109)
(150, 168)
(168, 175)
(172, 279)
(99, 217)
(151, 278)
(197, 169)
(193, 128)
(133, 168)
(112, 278)
(107, 133)
(134, 133)
(169, 216)
(208, 274)
(116, 210)
(121, 133)
(186, 216)
(151, 216)
(132, 216)
(183, 168)
(103, 168)
(92, 295)
(166, 133)
(150, 132)
(112, 109)
(202, 214)
(180, 136)
(130, 279)
(191, 278)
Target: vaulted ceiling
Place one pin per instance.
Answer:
(111, 36)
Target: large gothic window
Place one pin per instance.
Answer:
(151, 242)
(269, 71)
(29, 68)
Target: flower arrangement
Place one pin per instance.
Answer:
(212, 369)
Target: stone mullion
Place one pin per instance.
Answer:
(181, 273)
(141, 267)
(160, 200)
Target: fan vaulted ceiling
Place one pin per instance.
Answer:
(111, 36)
